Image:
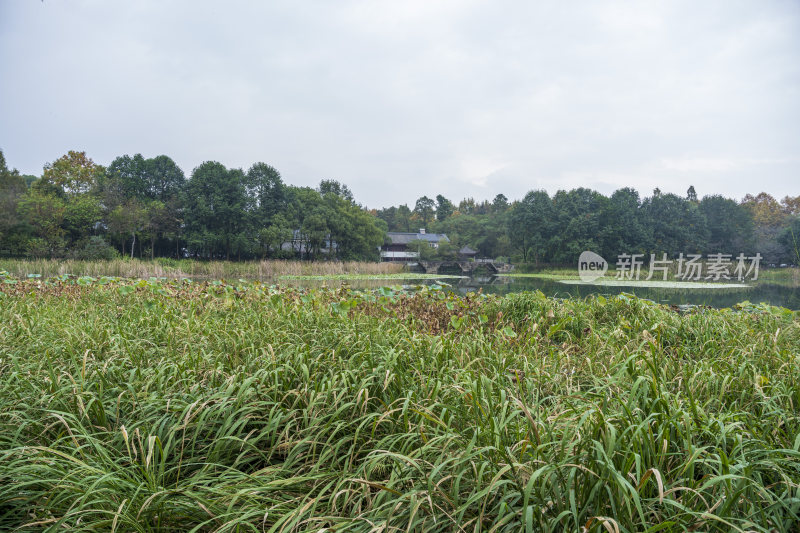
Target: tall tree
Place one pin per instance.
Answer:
(82, 215)
(130, 174)
(530, 225)
(622, 228)
(677, 224)
(162, 220)
(388, 215)
(500, 203)
(577, 216)
(766, 210)
(790, 240)
(158, 178)
(334, 187)
(12, 190)
(466, 206)
(730, 225)
(215, 216)
(272, 238)
(403, 218)
(424, 209)
(791, 205)
(769, 219)
(165, 179)
(444, 208)
(267, 192)
(45, 214)
(128, 220)
(73, 173)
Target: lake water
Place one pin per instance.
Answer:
(773, 294)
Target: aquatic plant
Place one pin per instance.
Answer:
(171, 405)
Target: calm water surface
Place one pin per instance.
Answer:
(773, 294)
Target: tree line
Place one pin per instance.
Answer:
(141, 207)
(544, 229)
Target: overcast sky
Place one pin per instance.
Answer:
(403, 98)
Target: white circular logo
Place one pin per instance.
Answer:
(591, 266)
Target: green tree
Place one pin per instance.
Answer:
(314, 233)
(45, 215)
(272, 237)
(389, 216)
(130, 175)
(165, 180)
(730, 225)
(215, 217)
(446, 251)
(302, 202)
(162, 220)
(353, 233)
(361, 237)
(334, 187)
(500, 204)
(444, 208)
(425, 251)
(73, 173)
(578, 222)
(530, 224)
(790, 240)
(267, 192)
(467, 206)
(622, 228)
(424, 210)
(12, 190)
(128, 219)
(157, 184)
(403, 218)
(82, 214)
(677, 224)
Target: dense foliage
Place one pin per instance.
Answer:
(172, 406)
(543, 229)
(140, 207)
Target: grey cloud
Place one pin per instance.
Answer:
(409, 98)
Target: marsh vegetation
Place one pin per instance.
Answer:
(210, 406)
(269, 270)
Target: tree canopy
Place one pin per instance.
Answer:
(140, 206)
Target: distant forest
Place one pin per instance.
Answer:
(140, 207)
(544, 229)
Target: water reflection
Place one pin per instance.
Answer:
(773, 294)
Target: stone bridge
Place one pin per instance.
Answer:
(466, 267)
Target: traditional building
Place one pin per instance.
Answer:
(467, 253)
(396, 247)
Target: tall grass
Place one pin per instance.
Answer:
(214, 407)
(188, 268)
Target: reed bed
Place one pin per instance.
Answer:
(176, 406)
(188, 268)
